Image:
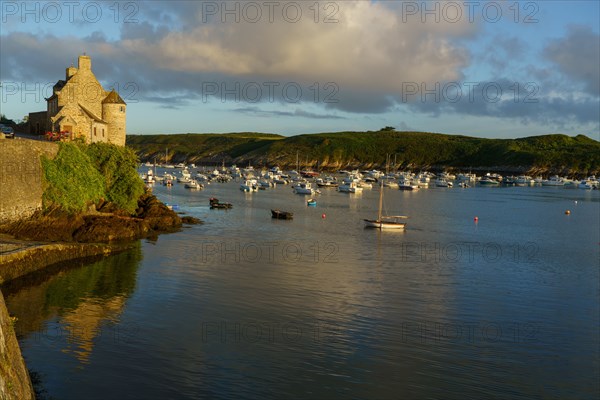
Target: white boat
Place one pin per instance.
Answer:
(351, 187)
(192, 184)
(488, 181)
(391, 184)
(441, 182)
(587, 184)
(385, 222)
(265, 184)
(524, 180)
(554, 181)
(249, 185)
(303, 188)
(407, 185)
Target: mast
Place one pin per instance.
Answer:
(297, 163)
(380, 200)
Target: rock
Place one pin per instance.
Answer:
(110, 228)
(190, 220)
(105, 224)
(157, 215)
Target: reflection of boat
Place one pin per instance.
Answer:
(214, 203)
(311, 202)
(385, 222)
(281, 214)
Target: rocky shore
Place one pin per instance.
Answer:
(54, 236)
(102, 223)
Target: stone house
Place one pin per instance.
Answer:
(80, 105)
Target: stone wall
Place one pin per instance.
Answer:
(21, 183)
(14, 378)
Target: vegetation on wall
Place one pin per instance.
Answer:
(82, 174)
(118, 166)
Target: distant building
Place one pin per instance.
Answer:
(80, 105)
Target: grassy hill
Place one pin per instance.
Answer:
(193, 148)
(411, 150)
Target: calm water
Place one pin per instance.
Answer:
(249, 307)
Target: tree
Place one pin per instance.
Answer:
(387, 129)
(4, 120)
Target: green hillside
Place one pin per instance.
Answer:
(411, 150)
(196, 147)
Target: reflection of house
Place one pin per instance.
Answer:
(81, 106)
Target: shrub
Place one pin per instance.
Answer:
(117, 165)
(83, 174)
(72, 180)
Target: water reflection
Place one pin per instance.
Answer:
(75, 303)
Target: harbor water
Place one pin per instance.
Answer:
(248, 307)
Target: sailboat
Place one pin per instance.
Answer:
(391, 222)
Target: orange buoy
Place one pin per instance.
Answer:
(476, 219)
(568, 212)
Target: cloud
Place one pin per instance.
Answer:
(368, 54)
(255, 111)
(577, 56)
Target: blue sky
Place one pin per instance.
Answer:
(501, 69)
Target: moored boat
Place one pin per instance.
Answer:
(215, 204)
(392, 222)
(277, 214)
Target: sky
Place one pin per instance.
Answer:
(497, 69)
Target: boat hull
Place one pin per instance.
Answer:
(281, 214)
(384, 225)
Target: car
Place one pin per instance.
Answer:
(9, 132)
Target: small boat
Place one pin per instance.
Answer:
(385, 222)
(192, 184)
(249, 185)
(554, 181)
(281, 214)
(488, 181)
(215, 204)
(311, 202)
(350, 187)
(441, 182)
(304, 188)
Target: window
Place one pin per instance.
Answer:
(102, 132)
(122, 109)
(95, 134)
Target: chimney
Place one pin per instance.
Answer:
(71, 71)
(85, 62)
